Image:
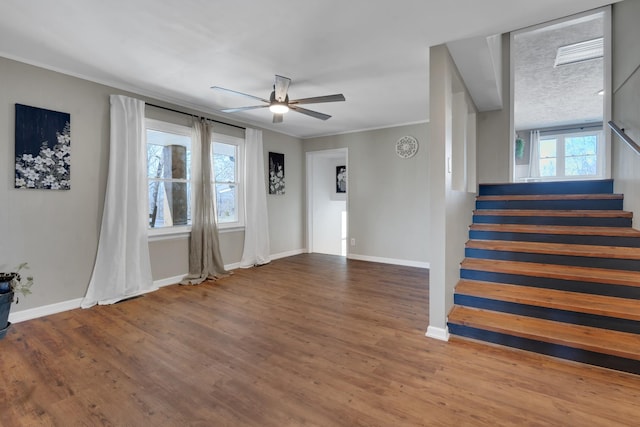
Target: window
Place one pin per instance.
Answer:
(227, 172)
(169, 178)
(570, 155)
(168, 174)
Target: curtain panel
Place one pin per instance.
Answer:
(205, 260)
(122, 268)
(256, 233)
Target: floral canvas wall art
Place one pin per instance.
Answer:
(43, 148)
(276, 173)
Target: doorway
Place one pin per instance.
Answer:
(561, 99)
(327, 189)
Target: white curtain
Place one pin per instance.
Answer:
(256, 232)
(534, 155)
(205, 260)
(122, 268)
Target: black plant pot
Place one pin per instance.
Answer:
(5, 305)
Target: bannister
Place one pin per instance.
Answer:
(626, 138)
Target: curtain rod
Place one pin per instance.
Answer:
(194, 115)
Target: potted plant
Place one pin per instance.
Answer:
(10, 284)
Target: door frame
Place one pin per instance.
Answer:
(607, 84)
(309, 162)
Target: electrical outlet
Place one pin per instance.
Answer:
(353, 241)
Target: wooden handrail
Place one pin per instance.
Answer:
(626, 138)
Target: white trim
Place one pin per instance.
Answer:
(236, 265)
(168, 233)
(605, 11)
(169, 281)
(404, 262)
(441, 334)
(309, 161)
(287, 254)
(233, 266)
(45, 310)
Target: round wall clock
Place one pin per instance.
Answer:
(406, 147)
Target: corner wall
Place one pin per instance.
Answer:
(387, 195)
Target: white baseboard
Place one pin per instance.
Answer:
(169, 281)
(438, 333)
(406, 263)
(288, 254)
(45, 310)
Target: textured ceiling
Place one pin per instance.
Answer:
(547, 96)
(375, 52)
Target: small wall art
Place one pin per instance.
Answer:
(276, 173)
(341, 179)
(43, 148)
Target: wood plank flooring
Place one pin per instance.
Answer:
(309, 340)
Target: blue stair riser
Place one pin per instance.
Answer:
(556, 350)
(606, 289)
(579, 261)
(552, 220)
(574, 239)
(604, 186)
(564, 316)
(588, 204)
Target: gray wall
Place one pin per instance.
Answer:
(57, 231)
(387, 196)
(626, 102)
(450, 210)
(494, 131)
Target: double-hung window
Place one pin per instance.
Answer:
(226, 161)
(571, 155)
(169, 175)
(169, 178)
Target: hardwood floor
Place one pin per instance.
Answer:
(309, 340)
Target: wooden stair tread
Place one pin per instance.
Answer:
(562, 300)
(615, 343)
(558, 229)
(563, 272)
(555, 213)
(605, 196)
(618, 252)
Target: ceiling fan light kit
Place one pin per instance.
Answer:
(279, 102)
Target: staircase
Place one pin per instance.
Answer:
(553, 268)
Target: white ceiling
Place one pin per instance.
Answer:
(374, 52)
(548, 96)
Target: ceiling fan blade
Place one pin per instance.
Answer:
(278, 118)
(318, 99)
(311, 113)
(239, 93)
(281, 87)
(235, 110)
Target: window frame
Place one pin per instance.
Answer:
(160, 233)
(239, 182)
(561, 157)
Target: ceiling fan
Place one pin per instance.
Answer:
(279, 103)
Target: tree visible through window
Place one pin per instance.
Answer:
(228, 186)
(569, 155)
(168, 175)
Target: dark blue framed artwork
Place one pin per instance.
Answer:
(43, 148)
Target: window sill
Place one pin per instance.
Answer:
(230, 229)
(169, 233)
(183, 232)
